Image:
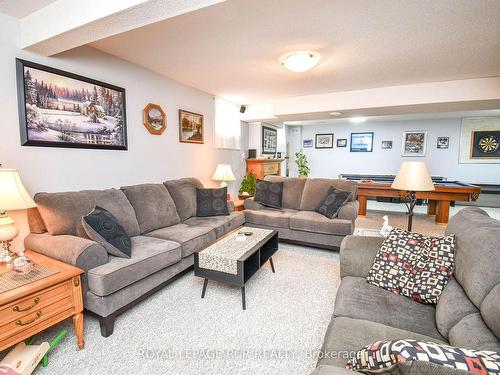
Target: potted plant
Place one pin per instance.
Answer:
(247, 188)
(301, 161)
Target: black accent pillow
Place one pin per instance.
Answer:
(333, 202)
(211, 202)
(269, 194)
(102, 227)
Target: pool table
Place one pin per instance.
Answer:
(438, 200)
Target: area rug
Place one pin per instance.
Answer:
(176, 332)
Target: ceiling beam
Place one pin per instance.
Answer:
(67, 24)
(481, 93)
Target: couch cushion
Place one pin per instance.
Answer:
(270, 217)
(183, 192)
(315, 190)
(345, 336)
(149, 255)
(490, 310)
(153, 205)
(292, 190)
(452, 307)
(310, 221)
(477, 258)
(471, 332)
(333, 202)
(221, 224)
(62, 212)
(191, 238)
(358, 299)
(269, 194)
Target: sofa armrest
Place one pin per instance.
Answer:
(250, 204)
(357, 254)
(349, 211)
(79, 252)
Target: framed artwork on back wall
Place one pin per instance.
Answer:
(269, 140)
(62, 109)
(480, 140)
(324, 141)
(191, 127)
(414, 142)
(362, 142)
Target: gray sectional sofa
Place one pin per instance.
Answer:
(467, 314)
(297, 221)
(159, 218)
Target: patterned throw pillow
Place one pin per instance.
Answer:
(269, 194)
(414, 265)
(102, 227)
(333, 201)
(383, 356)
(211, 202)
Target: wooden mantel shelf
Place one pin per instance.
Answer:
(264, 167)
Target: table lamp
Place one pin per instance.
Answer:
(223, 173)
(413, 176)
(13, 196)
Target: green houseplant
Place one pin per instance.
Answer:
(248, 186)
(301, 161)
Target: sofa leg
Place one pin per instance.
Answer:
(107, 325)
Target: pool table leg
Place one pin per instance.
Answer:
(431, 207)
(362, 205)
(443, 212)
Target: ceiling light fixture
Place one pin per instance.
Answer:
(299, 62)
(357, 120)
(335, 113)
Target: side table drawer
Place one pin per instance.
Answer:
(34, 302)
(35, 317)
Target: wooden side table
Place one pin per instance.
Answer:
(34, 307)
(238, 204)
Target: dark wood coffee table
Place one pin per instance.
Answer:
(235, 262)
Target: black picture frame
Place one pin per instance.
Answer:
(23, 121)
(341, 142)
(443, 143)
(269, 140)
(386, 145)
(317, 145)
(356, 147)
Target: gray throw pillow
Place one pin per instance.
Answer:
(269, 194)
(333, 201)
(102, 227)
(211, 202)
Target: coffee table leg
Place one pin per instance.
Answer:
(243, 297)
(204, 288)
(272, 264)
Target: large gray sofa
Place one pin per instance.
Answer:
(297, 221)
(467, 314)
(159, 218)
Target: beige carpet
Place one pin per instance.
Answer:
(421, 222)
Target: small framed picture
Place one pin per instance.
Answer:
(386, 145)
(362, 142)
(324, 140)
(191, 127)
(307, 143)
(443, 143)
(342, 142)
(414, 142)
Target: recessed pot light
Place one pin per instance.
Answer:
(335, 113)
(300, 61)
(357, 120)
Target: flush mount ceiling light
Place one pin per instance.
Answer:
(299, 62)
(357, 120)
(335, 113)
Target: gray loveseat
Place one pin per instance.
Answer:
(297, 221)
(467, 315)
(159, 218)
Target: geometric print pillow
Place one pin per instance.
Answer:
(383, 356)
(414, 265)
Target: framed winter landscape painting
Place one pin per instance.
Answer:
(61, 109)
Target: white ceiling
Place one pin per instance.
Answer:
(232, 49)
(21, 8)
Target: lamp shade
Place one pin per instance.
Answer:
(223, 172)
(413, 176)
(13, 194)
